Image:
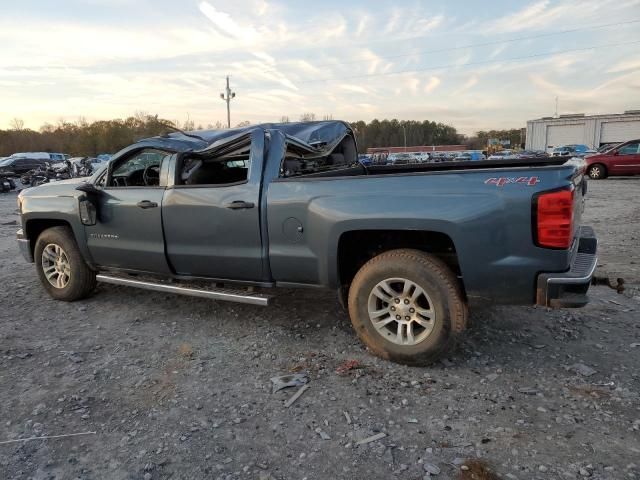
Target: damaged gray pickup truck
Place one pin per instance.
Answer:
(230, 214)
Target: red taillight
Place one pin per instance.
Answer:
(554, 219)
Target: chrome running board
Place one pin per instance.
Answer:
(213, 294)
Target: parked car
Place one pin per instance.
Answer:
(471, 156)
(58, 157)
(364, 160)
(401, 159)
(53, 157)
(623, 159)
(607, 146)
(531, 154)
(578, 150)
(407, 247)
(6, 183)
(444, 156)
(503, 155)
(19, 165)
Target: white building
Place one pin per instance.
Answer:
(594, 130)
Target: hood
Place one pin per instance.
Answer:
(58, 188)
(595, 156)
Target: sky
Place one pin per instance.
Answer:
(474, 65)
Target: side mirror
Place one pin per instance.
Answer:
(87, 203)
(89, 189)
(616, 152)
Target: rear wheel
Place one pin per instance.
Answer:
(407, 306)
(61, 268)
(597, 171)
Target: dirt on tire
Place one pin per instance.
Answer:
(431, 274)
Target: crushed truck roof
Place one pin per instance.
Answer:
(312, 133)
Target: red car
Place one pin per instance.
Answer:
(623, 159)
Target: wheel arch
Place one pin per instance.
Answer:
(357, 247)
(33, 227)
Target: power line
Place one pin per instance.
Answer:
(470, 45)
(481, 62)
(484, 44)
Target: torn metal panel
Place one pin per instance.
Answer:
(310, 138)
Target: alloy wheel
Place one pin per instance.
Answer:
(401, 311)
(55, 265)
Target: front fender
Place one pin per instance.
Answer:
(40, 212)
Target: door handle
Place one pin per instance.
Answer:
(238, 204)
(147, 204)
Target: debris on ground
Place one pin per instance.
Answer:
(323, 434)
(291, 380)
(476, 469)
(372, 438)
(431, 469)
(582, 369)
(186, 350)
(347, 366)
(48, 437)
(296, 396)
(347, 417)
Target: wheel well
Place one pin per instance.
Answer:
(35, 227)
(357, 247)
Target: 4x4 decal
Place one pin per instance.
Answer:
(502, 181)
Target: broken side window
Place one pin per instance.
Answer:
(341, 159)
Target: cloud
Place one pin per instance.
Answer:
(433, 83)
(545, 15)
(624, 65)
(353, 88)
(226, 25)
(412, 84)
(265, 57)
(362, 25)
(471, 82)
(498, 50)
(532, 16)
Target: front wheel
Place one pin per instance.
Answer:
(407, 306)
(61, 268)
(597, 172)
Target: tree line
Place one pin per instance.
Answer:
(480, 140)
(83, 138)
(398, 133)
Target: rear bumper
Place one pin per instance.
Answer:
(569, 289)
(25, 247)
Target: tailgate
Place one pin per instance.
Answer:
(580, 183)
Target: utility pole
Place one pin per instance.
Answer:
(227, 96)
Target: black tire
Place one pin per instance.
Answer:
(597, 171)
(81, 280)
(442, 291)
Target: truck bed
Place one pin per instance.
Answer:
(473, 165)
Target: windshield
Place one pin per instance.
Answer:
(5, 161)
(606, 148)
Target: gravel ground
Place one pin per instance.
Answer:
(177, 387)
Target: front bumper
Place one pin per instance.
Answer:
(25, 246)
(569, 289)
